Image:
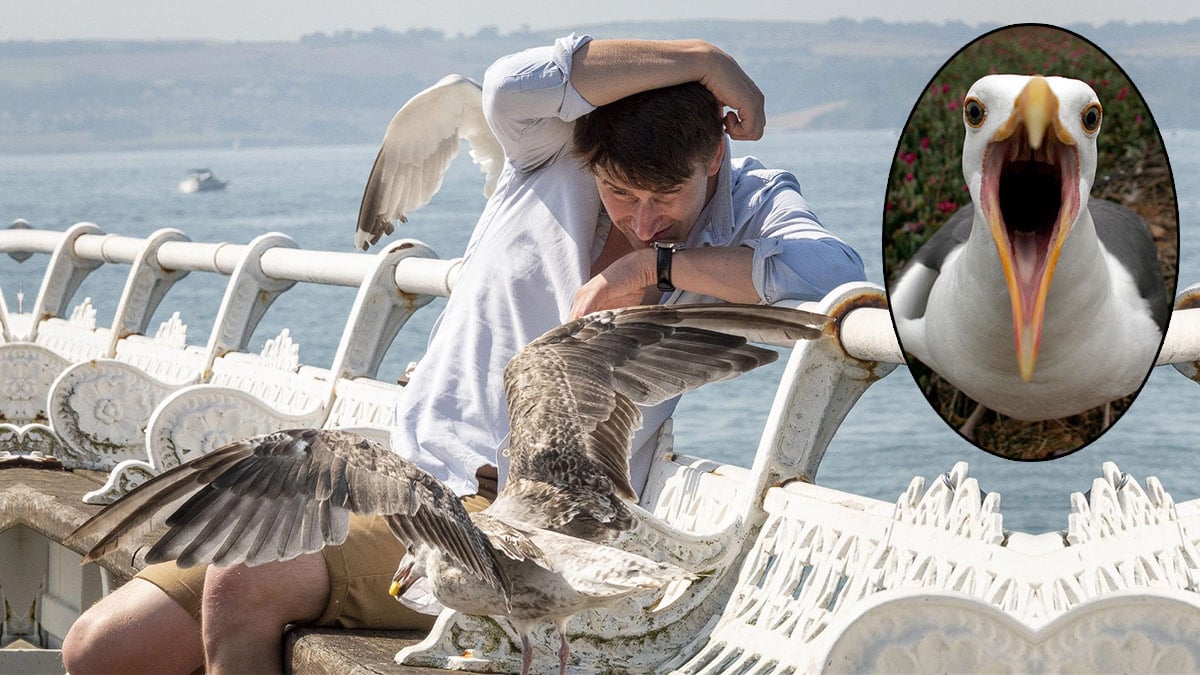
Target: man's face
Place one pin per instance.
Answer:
(646, 216)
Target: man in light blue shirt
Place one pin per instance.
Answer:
(562, 235)
(603, 172)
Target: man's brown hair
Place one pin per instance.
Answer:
(652, 140)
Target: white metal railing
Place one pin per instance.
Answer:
(866, 333)
(1182, 344)
(429, 276)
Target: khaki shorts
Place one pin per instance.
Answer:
(360, 572)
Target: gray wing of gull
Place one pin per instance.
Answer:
(908, 293)
(278, 496)
(1124, 234)
(952, 234)
(926, 264)
(572, 393)
(421, 141)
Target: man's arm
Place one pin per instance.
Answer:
(530, 103)
(723, 272)
(786, 255)
(604, 71)
(531, 97)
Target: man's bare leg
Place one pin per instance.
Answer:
(245, 610)
(136, 628)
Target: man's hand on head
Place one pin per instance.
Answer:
(621, 284)
(734, 89)
(606, 70)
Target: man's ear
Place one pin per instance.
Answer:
(715, 166)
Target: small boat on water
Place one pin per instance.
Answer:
(202, 180)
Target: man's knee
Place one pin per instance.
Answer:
(273, 594)
(112, 636)
(82, 646)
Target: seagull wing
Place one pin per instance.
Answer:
(910, 292)
(572, 392)
(288, 493)
(421, 141)
(1126, 237)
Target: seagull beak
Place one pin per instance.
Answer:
(1030, 199)
(403, 579)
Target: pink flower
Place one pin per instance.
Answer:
(1121, 94)
(952, 105)
(924, 142)
(947, 206)
(1137, 119)
(945, 88)
(908, 158)
(914, 226)
(908, 178)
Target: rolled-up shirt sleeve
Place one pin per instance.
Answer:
(530, 103)
(795, 257)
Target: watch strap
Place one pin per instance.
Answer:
(664, 253)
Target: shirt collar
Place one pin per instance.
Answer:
(714, 225)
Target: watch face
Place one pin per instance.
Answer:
(664, 252)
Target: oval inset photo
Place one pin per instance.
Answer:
(1030, 234)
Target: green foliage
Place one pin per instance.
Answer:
(926, 183)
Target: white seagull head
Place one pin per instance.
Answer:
(1029, 160)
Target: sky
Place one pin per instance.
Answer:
(288, 20)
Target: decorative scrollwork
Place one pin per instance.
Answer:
(32, 439)
(110, 409)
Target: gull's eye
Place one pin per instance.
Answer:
(974, 112)
(1090, 118)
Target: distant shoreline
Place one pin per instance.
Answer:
(780, 124)
(79, 96)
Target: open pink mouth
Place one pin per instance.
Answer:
(1036, 193)
(1030, 198)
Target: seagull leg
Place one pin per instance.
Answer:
(564, 649)
(526, 653)
(968, 427)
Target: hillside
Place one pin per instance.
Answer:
(343, 88)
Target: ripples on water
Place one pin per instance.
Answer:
(312, 194)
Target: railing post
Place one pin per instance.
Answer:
(144, 289)
(64, 274)
(820, 385)
(379, 311)
(247, 297)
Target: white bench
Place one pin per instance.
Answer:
(101, 407)
(250, 394)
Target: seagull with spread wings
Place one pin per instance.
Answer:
(538, 551)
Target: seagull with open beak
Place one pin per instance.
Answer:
(1035, 301)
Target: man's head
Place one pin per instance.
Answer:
(655, 156)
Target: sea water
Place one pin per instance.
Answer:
(312, 194)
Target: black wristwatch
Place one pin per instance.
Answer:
(665, 250)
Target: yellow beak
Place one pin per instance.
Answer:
(1027, 270)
